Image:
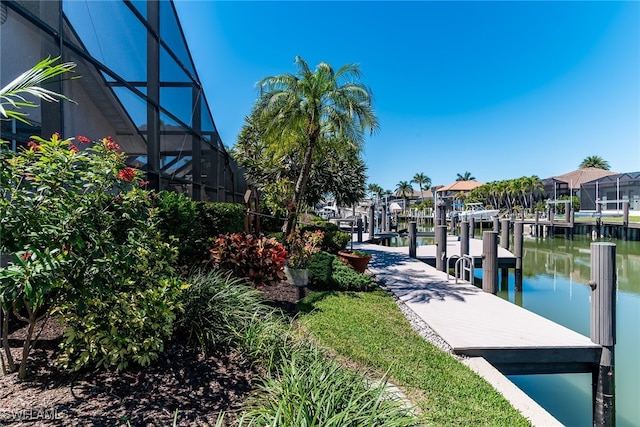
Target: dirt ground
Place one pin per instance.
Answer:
(182, 379)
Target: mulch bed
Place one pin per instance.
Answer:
(198, 387)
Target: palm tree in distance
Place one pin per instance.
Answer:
(466, 177)
(404, 189)
(302, 112)
(422, 180)
(594, 162)
(375, 190)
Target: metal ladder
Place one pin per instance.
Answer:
(464, 264)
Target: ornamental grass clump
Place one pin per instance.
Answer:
(302, 246)
(219, 310)
(310, 390)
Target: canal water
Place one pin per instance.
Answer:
(556, 273)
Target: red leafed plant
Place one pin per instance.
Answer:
(259, 259)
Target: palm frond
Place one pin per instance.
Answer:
(12, 96)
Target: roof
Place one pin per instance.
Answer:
(460, 186)
(622, 178)
(580, 176)
(426, 194)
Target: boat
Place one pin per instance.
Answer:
(476, 211)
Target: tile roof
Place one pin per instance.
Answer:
(580, 176)
(460, 186)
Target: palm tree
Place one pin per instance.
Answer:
(404, 189)
(301, 112)
(594, 162)
(422, 180)
(375, 190)
(466, 177)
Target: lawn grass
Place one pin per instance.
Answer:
(608, 219)
(370, 330)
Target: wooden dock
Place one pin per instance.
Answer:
(427, 253)
(476, 323)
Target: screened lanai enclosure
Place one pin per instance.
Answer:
(611, 191)
(136, 83)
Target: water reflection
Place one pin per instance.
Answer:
(572, 260)
(556, 273)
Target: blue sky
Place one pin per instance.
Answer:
(500, 89)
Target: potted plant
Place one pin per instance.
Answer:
(302, 246)
(358, 260)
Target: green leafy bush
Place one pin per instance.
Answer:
(219, 309)
(112, 329)
(195, 225)
(215, 218)
(84, 231)
(326, 271)
(334, 239)
(259, 259)
(178, 220)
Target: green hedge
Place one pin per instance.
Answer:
(196, 224)
(326, 271)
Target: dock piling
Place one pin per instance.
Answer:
(441, 247)
(518, 227)
(385, 221)
(504, 234)
(603, 330)
(372, 220)
(625, 220)
(413, 232)
(490, 262)
(464, 238)
(472, 227)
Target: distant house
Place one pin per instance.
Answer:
(451, 190)
(416, 196)
(570, 182)
(624, 186)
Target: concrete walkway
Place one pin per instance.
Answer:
(500, 337)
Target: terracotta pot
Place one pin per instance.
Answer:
(357, 262)
(297, 276)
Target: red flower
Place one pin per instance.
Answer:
(110, 144)
(143, 183)
(127, 174)
(33, 145)
(83, 139)
(26, 256)
(73, 148)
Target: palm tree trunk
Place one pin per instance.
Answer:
(301, 184)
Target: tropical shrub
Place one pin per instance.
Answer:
(178, 219)
(302, 246)
(326, 271)
(259, 259)
(334, 239)
(215, 218)
(195, 225)
(114, 328)
(83, 231)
